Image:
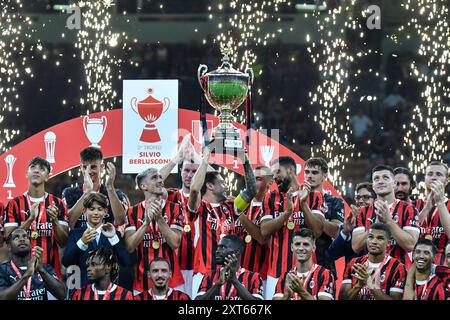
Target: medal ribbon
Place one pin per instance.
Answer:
(107, 293)
(27, 287)
(306, 281)
(184, 207)
(35, 223)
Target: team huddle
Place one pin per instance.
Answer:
(278, 239)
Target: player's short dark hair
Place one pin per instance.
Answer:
(426, 242)
(285, 161)
(98, 197)
(108, 258)
(317, 162)
(382, 167)
(160, 259)
(439, 163)
(41, 162)
(381, 226)
(8, 239)
(142, 175)
(210, 177)
(236, 243)
(366, 185)
(91, 154)
(304, 233)
(266, 169)
(409, 174)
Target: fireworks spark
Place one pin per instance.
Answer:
(430, 124)
(95, 41)
(13, 64)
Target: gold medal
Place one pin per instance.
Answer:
(187, 228)
(34, 235)
(155, 245)
(291, 225)
(248, 238)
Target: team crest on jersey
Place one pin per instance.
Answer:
(225, 210)
(324, 208)
(311, 284)
(382, 277)
(395, 218)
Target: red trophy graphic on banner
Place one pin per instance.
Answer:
(150, 110)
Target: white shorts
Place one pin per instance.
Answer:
(271, 285)
(196, 282)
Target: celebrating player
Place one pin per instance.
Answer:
(160, 273)
(102, 271)
(154, 229)
(284, 212)
(399, 216)
(40, 213)
(376, 275)
(25, 276)
(92, 167)
(307, 280)
(230, 281)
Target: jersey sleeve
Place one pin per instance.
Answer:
(267, 211)
(347, 278)
(77, 295)
(176, 215)
(360, 222)
(411, 219)
(68, 198)
(205, 285)
(12, 215)
(315, 202)
(397, 283)
(279, 289)
(63, 213)
(256, 286)
(326, 285)
(337, 210)
(131, 220)
(5, 280)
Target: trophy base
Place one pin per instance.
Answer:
(150, 134)
(227, 142)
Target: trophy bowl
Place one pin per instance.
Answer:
(225, 89)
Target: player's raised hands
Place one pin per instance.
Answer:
(111, 172)
(88, 183)
(359, 271)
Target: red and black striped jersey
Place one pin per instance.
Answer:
(146, 251)
(392, 275)
(211, 221)
(255, 256)
(406, 217)
(432, 225)
(281, 258)
(186, 250)
(172, 294)
(250, 280)
(319, 281)
(18, 210)
(431, 289)
(116, 293)
(443, 272)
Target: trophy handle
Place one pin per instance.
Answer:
(85, 120)
(166, 104)
(134, 104)
(251, 75)
(202, 69)
(105, 124)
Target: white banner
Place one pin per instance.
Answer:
(150, 124)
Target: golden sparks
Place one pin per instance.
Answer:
(95, 40)
(13, 64)
(430, 125)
